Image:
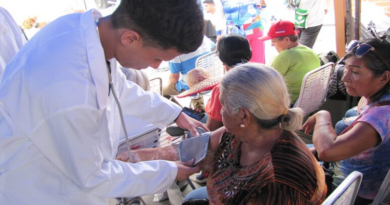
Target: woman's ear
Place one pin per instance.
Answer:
(245, 116)
(385, 78)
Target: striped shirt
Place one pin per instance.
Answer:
(288, 174)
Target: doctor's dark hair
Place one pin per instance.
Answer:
(234, 49)
(162, 24)
(261, 90)
(377, 65)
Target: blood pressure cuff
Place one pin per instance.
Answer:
(194, 148)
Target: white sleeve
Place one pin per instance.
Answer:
(146, 105)
(77, 142)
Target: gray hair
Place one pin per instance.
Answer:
(261, 90)
(138, 77)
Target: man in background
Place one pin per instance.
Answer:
(216, 17)
(294, 60)
(309, 17)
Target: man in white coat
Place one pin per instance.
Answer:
(59, 120)
(11, 38)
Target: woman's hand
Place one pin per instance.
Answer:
(124, 156)
(190, 124)
(185, 169)
(309, 124)
(319, 118)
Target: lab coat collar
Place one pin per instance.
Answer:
(95, 55)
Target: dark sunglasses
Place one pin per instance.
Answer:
(361, 49)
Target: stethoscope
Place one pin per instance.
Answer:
(111, 88)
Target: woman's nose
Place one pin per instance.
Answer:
(346, 75)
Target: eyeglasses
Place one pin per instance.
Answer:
(361, 49)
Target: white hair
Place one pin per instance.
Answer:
(138, 77)
(261, 90)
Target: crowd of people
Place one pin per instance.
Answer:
(70, 94)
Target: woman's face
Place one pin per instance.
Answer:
(230, 122)
(359, 80)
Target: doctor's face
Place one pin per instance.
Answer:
(141, 57)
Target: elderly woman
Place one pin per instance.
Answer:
(364, 145)
(256, 158)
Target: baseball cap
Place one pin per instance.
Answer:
(278, 29)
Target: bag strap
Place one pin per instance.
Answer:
(382, 103)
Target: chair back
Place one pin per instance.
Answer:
(346, 192)
(314, 88)
(384, 190)
(156, 85)
(211, 63)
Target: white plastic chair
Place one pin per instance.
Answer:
(156, 85)
(346, 192)
(211, 63)
(384, 190)
(314, 88)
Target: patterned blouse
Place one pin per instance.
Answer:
(288, 174)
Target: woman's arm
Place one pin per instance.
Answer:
(360, 137)
(170, 153)
(215, 139)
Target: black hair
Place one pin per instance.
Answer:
(162, 23)
(234, 49)
(375, 63)
(292, 37)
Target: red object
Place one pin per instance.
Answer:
(279, 29)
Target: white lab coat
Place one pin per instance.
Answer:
(11, 38)
(60, 127)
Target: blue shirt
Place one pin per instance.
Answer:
(184, 63)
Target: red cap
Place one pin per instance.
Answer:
(278, 29)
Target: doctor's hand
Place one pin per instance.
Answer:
(186, 122)
(185, 169)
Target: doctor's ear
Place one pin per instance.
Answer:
(128, 37)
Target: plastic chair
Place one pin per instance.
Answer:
(156, 85)
(211, 63)
(384, 190)
(314, 88)
(347, 191)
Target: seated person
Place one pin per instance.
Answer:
(256, 158)
(363, 146)
(181, 65)
(138, 77)
(232, 50)
(294, 60)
